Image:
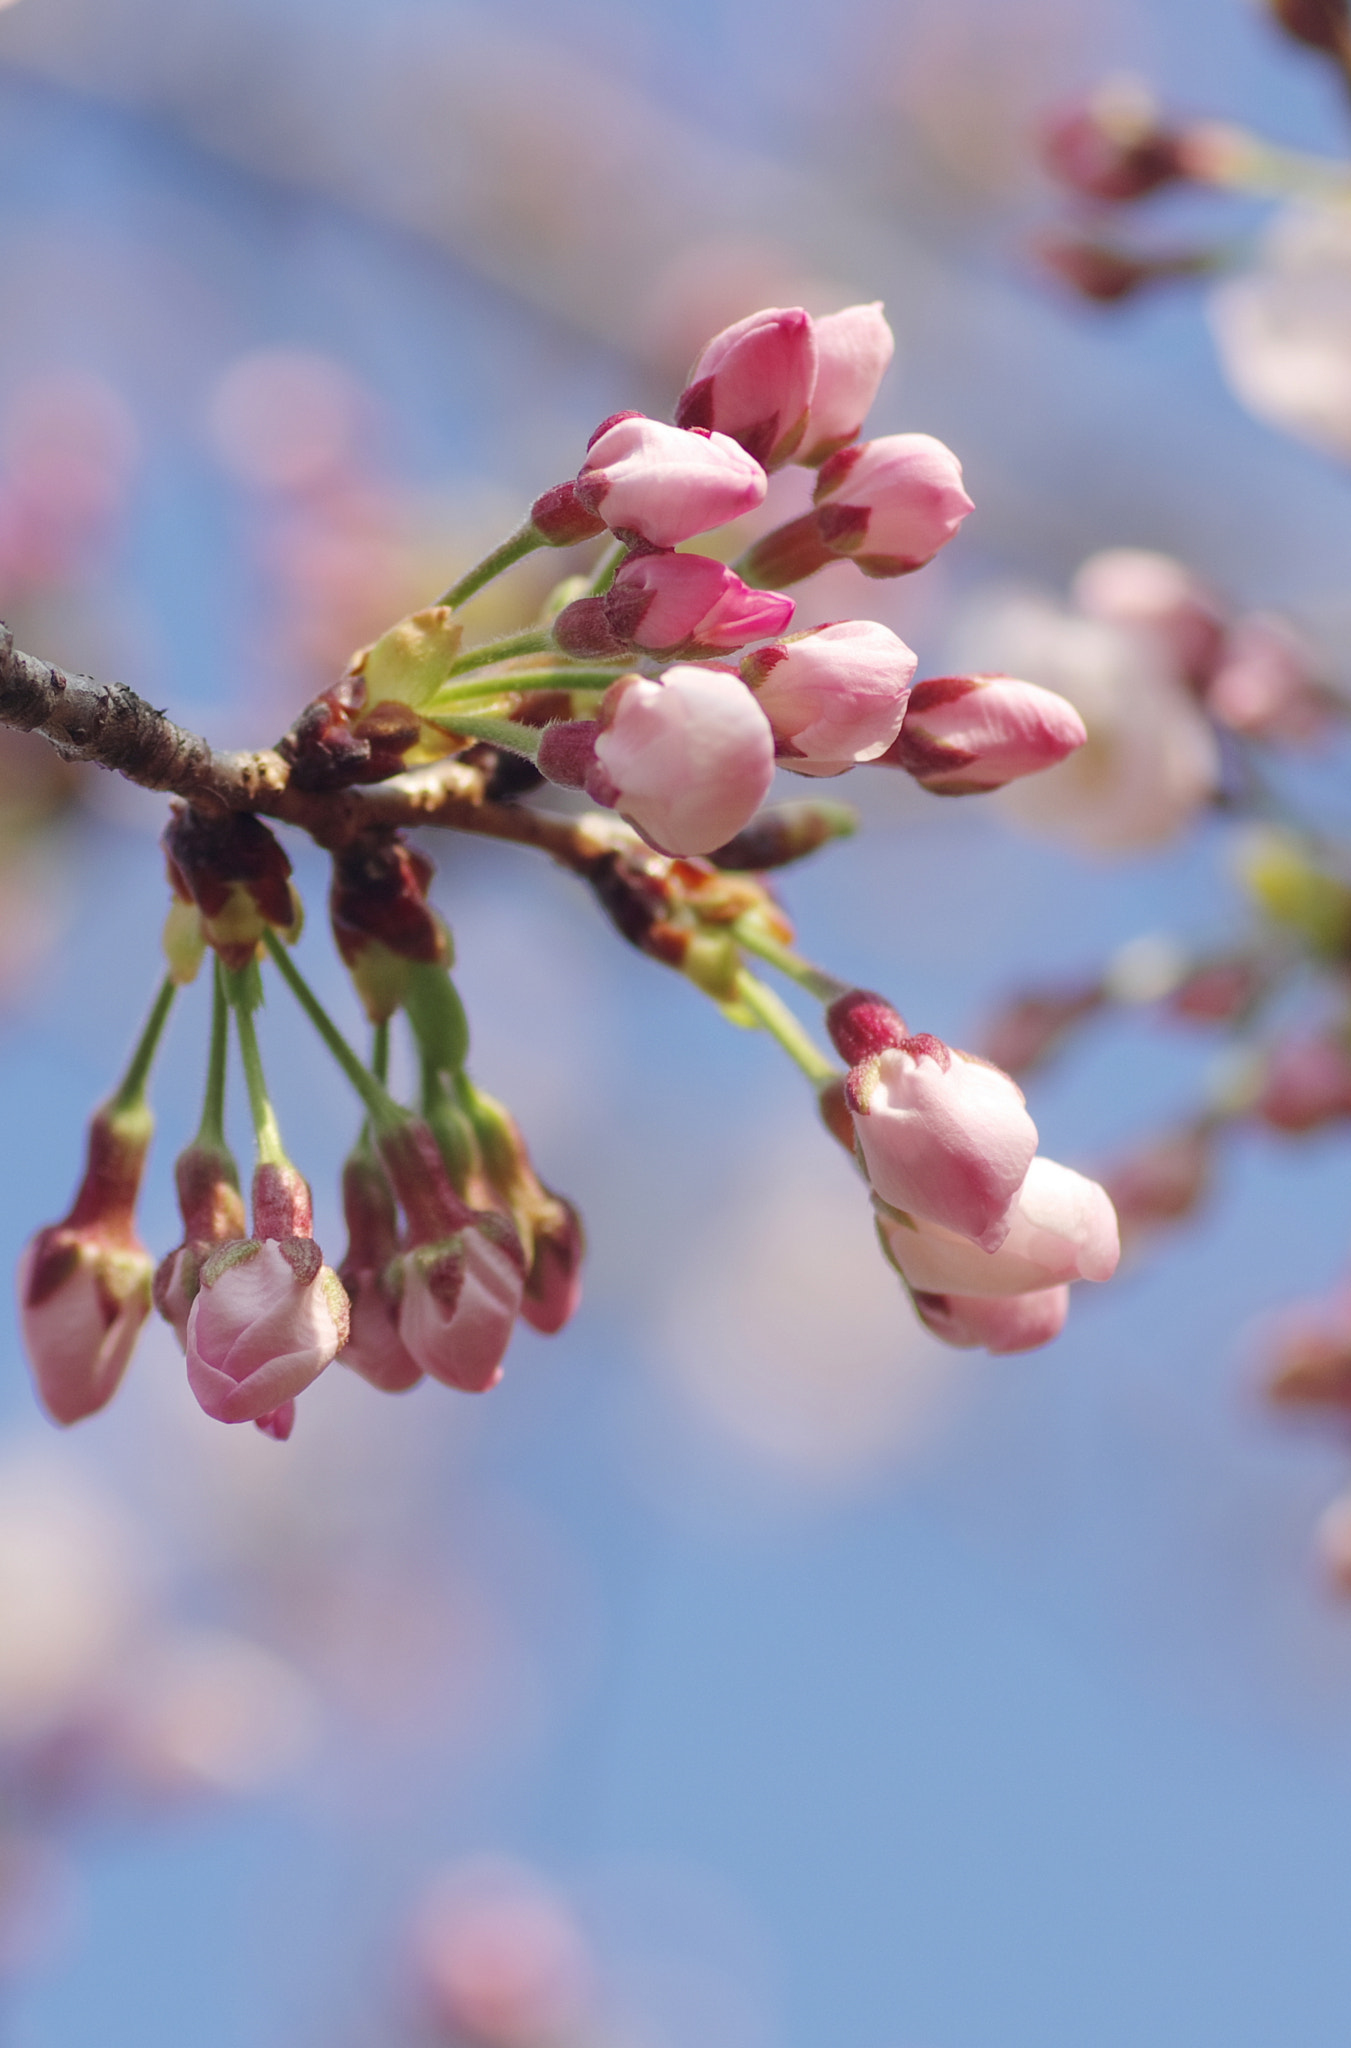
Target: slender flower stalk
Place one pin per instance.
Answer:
(243, 992)
(825, 987)
(507, 649)
(778, 1020)
(510, 551)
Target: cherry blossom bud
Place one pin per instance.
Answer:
(85, 1283)
(966, 734)
(1266, 683)
(943, 1136)
(552, 1239)
(1061, 1227)
(1113, 145)
(787, 833)
(553, 1286)
(833, 696)
(673, 606)
(1306, 1083)
(854, 349)
(652, 483)
(461, 1298)
(236, 873)
(754, 381)
(687, 760)
(890, 505)
(382, 921)
(861, 1025)
(999, 1323)
(1154, 594)
(374, 1347)
(213, 1214)
(269, 1314)
(1162, 1181)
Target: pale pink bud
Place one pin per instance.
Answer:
(659, 484)
(965, 734)
(82, 1304)
(269, 1316)
(501, 1960)
(999, 1323)
(861, 1025)
(461, 1298)
(754, 381)
(673, 606)
(374, 1347)
(890, 505)
(1139, 588)
(553, 1287)
(688, 759)
(834, 696)
(854, 350)
(1266, 683)
(1061, 1227)
(943, 1136)
(1307, 1082)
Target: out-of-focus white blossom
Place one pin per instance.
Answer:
(1283, 328)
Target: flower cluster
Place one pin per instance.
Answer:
(622, 688)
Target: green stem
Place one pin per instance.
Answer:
(211, 1131)
(380, 1053)
(533, 642)
(131, 1093)
(1238, 161)
(271, 1151)
(825, 987)
(384, 1113)
(779, 1021)
(523, 542)
(486, 687)
(497, 732)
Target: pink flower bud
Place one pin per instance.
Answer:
(673, 606)
(1061, 1227)
(461, 1298)
(1152, 592)
(659, 484)
(999, 1323)
(965, 734)
(688, 759)
(943, 1136)
(553, 1287)
(269, 1316)
(374, 1347)
(1113, 146)
(754, 381)
(1307, 1083)
(862, 1025)
(1266, 683)
(854, 349)
(833, 696)
(890, 504)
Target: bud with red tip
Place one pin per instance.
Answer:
(84, 1283)
(235, 871)
(862, 1025)
(963, 735)
(853, 350)
(1113, 146)
(1155, 594)
(269, 1314)
(942, 1136)
(374, 1347)
(653, 484)
(676, 607)
(550, 1230)
(833, 696)
(890, 505)
(999, 1323)
(754, 381)
(382, 922)
(687, 760)
(1061, 1226)
(213, 1214)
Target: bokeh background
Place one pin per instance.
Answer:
(837, 1689)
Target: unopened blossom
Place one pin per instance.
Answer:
(673, 606)
(834, 696)
(966, 734)
(649, 482)
(1061, 1227)
(269, 1315)
(890, 505)
(1281, 326)
(943, 1136)
(461, 1297)
(213, 1214)
(754, 381)
(687, 760)
(553, 1285)
(1158, 595)
(1151, 760)
(374, 1347)
(1266, 683)
(1113, 145)
(998, 1323)
(1305, 1083)
(863, 1024)
(854, 349)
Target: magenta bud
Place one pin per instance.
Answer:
(1307, 1083)
(671, 606)
(963, 735)
(890, 505)
(754, 381)
(853, 351)
(567, 752)
(460, 1301)
(861, 1025)
(660, 485)
(689, 757)
(1162, 1181)
(834, 696)
(268, 1317)
(563, 520)
(374, 1347)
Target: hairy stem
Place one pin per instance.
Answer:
(523, 542)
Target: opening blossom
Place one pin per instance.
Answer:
(675, 607)
(1061, 1226)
